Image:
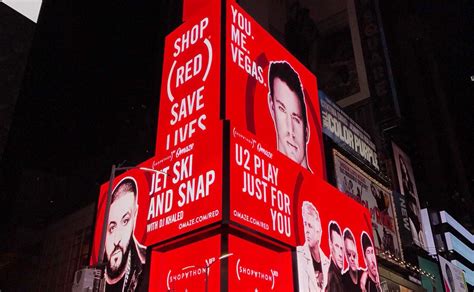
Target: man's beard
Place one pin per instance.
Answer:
(112, 272)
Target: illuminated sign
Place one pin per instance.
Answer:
(347, 133)
(354, 182)
(189, 103)
(263, 186)
(253, 267)
(270, 94)
(335, 245)
(185, 268)
(453, 277)
(409, 205)
(433, 281)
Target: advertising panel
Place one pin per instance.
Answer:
(408, 198)
(390, 286)
(190, 94)
(433, 282)
(453, 277)
(184, 268)
(336, 249)
(253, 267)
(263, 186)
(347, 133)
(183, 196)
(270, 94)
(354, 182)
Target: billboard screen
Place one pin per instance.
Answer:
(270, 94)
(409, 198)
(354, 182)
(253, 267)
(336, 249)
(163, 205)
(263, 187)
(184, 268)
(434, 282)
(453, 277)
(190, 94)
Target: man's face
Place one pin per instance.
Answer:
(119, 231)
(370, 260)
(337, 249)
(289, 122)
(351, 254)
(312, 229)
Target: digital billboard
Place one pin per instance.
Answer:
(409, 203)
(253, 267)
(354, 182)
(262, 186)
(434, 283)
(347, 133)
(336, 250)
(190, 89)
(453, 277)
(185, 268)
(184, 195)
(270, 94)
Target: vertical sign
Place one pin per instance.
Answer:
(270, 94)
(189, 102)
(408, 198)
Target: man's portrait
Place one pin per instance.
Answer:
(313, 264)
(336, 245)
(351, 277)
(124, 256)
(370, 280)
(288, 110)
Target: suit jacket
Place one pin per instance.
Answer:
(306, 274)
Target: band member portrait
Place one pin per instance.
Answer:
(336, 245)
(288, 110)
(124, 256)
(370, 280)
(351, 277)
(313, 264)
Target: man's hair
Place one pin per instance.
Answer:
(348, 235)
(309, 208)
(126, 186)
(366, 242)
(287, 74)
(334, 227)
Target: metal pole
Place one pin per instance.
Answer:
(207, 278)
(106, 216)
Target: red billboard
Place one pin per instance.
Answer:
(185, 268)
(336, 250)
(263, 186)
(270, 94)
(190, 89)
(149, 207)
(253, 267)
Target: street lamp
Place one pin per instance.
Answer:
(109, 199)
(208, 266)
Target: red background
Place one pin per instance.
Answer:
(193, 254)
(261, 259)
(246, 98)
